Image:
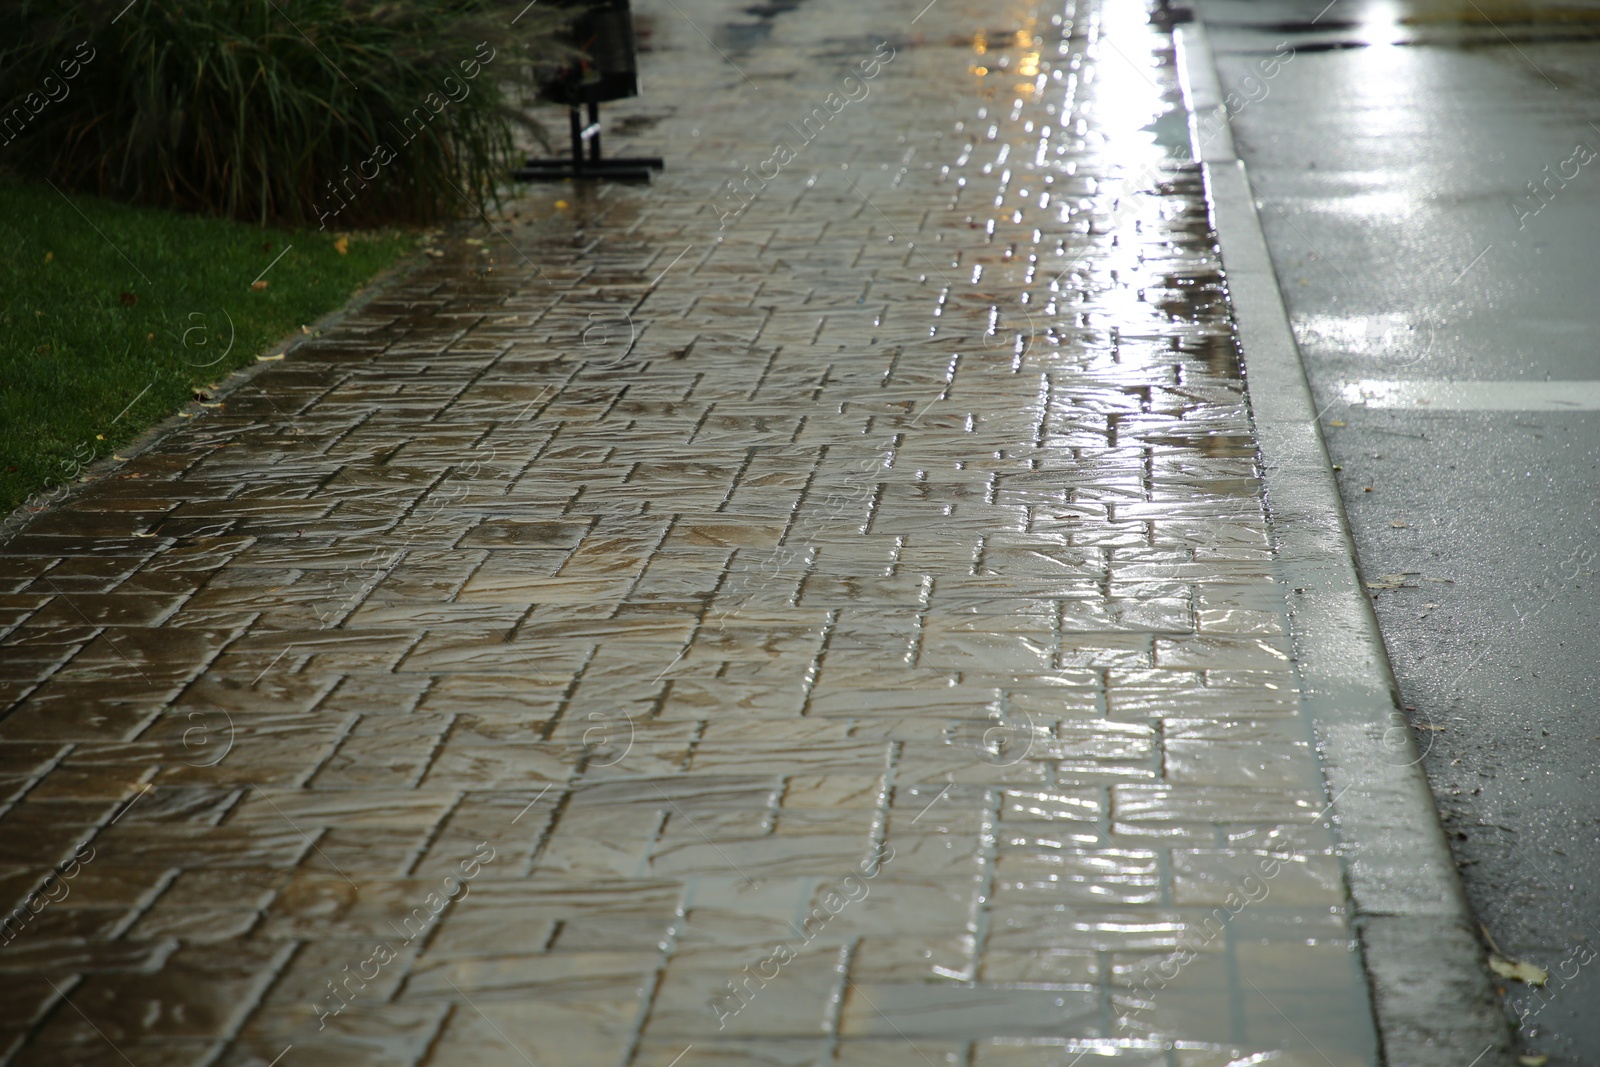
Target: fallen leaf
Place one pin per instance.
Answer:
(1391, 581)
(474, 240)
(1367, 489)
(1533, 1061)
(1398, 525)
(269, 359)
(259, 285)
(99, 437)
(342, 246)
(562, 205)
(149, 337)
(1428, 726)
(48, 256)
(1531, 973)
(1335, 422)
(128, 299)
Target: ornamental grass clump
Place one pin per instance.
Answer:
(293, 112)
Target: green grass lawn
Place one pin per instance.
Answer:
(110, 315)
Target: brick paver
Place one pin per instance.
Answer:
(836, 629)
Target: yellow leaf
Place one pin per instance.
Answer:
(259, 285)
(269, 359)
(342, 246)
(1533, 1061)
(1531, 973)
(48, 256)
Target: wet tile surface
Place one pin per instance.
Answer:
(829, 623)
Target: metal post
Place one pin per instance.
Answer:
(577, 137)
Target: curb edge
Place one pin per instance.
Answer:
(1432, 1001)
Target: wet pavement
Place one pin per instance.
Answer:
(1453, 371)
(833, 622)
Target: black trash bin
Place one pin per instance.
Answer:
(607, 70)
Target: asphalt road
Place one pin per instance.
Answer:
(1391, 156)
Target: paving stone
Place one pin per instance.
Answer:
(199, 993)
(902, 595)
(962, 1010)
(382, 1036)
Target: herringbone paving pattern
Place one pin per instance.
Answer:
(828, 620)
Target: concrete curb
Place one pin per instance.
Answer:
(1432, 998)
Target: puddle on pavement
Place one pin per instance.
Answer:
(737, 37)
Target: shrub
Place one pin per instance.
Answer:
(285, 111)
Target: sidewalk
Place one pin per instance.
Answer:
(832, 621)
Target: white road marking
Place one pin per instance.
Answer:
(1475, 395)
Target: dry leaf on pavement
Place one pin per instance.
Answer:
(1531, 973)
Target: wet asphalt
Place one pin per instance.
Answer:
(1392, 154)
